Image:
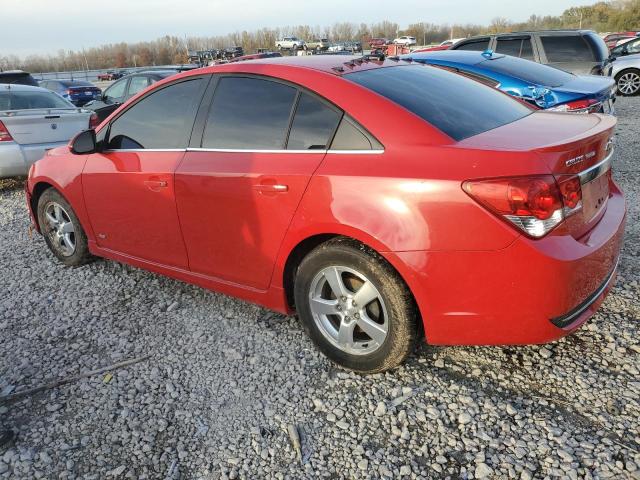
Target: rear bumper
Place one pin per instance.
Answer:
(533, 291)
(15, 159)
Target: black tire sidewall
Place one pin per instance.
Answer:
(81, 254)
(399, 304)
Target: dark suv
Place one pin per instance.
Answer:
(576, 51)
(17, 77)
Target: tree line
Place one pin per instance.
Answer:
(606, 16)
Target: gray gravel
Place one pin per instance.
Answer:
(224, 381)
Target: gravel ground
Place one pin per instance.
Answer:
(217, 383)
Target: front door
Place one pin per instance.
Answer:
(129, 187)
(237, 192)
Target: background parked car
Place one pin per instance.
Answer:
(123, 89)
(405, 40)
(578, 51)
(446, 45)
(77, 92)
(378, 42)
(318, 44)
(630, 47)
(233, 52)
(290, 43)
(541, 85)
(110, 75)
(18, 77)
(32, 121)
(626, 72)
(613, 39)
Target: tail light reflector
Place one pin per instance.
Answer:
(5, 136)
(94, 121)
(534, 204)
(578, 106)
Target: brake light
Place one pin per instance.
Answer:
(69, 92)
(534, 204)
(578, 106)
(94, 121)
(5, 136)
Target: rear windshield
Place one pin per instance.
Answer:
(434, 95)
(528, 71)
(18, 78)
(570, 48)
(31, 100)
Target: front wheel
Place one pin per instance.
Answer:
(62, 230)
(628, 82)
(355, 307)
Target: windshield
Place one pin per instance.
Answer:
(14, 100)
(433, 94)
(528, 71)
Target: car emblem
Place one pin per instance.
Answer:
(609, 146)
(580, 158)
(54, 126)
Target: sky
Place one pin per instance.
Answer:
(45, 26)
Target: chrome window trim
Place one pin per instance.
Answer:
(145, 150)
(240, 150)
(596, 170)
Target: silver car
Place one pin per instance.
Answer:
(32, 121)
(626, 72)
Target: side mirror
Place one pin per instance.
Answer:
(84, 142)
(98, 96)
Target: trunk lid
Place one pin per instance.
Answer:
(587, 85)
(44, 126)
(566, 145)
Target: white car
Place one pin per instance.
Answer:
(290, 43)
(405, 40)
(32, 121)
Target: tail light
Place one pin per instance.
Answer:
(533, 204)
(94, 121)
(69, 92)
(5, 136)
(578, 106)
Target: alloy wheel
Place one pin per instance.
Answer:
(60, 229)
(629, 83)
(349, 310)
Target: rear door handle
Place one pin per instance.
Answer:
(156, 185)
(266, 188)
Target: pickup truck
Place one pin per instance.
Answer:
(290, 43)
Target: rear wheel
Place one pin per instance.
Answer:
(628, 82)
(355, 307)
(62, 230)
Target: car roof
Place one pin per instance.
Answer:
(334, 64)
(14, 87)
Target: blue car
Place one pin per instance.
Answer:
(540, 85)
(77, 92)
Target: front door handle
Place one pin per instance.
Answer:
(266, 188)
(156, 185)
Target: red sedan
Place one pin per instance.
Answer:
(381, 201)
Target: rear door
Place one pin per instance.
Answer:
(238, 188)
(516, 46)
(129, 188)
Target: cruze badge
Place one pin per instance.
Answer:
(580, 158)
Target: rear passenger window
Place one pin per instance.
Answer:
(571, 48)
(162, 120)
(479, 45)
(249, 114)
(351, 137)
(516, 47)
(313, 124)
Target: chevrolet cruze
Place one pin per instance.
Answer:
(383, 201)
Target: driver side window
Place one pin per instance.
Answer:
(161, 120)
(115, 92)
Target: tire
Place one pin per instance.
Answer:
(372, 337)
(628, 82)
(61, 229)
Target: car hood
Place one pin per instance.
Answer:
(635, 58)
(586, 84)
